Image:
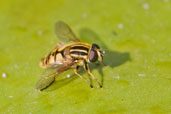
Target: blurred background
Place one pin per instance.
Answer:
(135, 34)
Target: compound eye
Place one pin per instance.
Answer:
(95, 46)
(93, 56)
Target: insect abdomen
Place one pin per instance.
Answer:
(51, 59)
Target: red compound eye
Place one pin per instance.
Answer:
(93, 56)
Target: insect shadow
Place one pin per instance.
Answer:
(111, 58)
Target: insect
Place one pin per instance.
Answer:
(63, 57)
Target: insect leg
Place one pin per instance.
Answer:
(76, 72)
(89, 72)
(59, 45)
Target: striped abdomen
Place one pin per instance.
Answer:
(53, 58)
(76, 50)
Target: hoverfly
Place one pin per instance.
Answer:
(63, 57)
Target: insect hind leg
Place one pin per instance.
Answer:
(89, 72)
(76, 72)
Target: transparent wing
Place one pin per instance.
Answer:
(64, 32)
(46, 79)
(50, 74)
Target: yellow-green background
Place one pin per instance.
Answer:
(137, 78)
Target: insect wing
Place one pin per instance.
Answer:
(46, 79)
(64, 32)
(50, 74)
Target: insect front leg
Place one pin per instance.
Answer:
(76, 72)
(89, 72)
